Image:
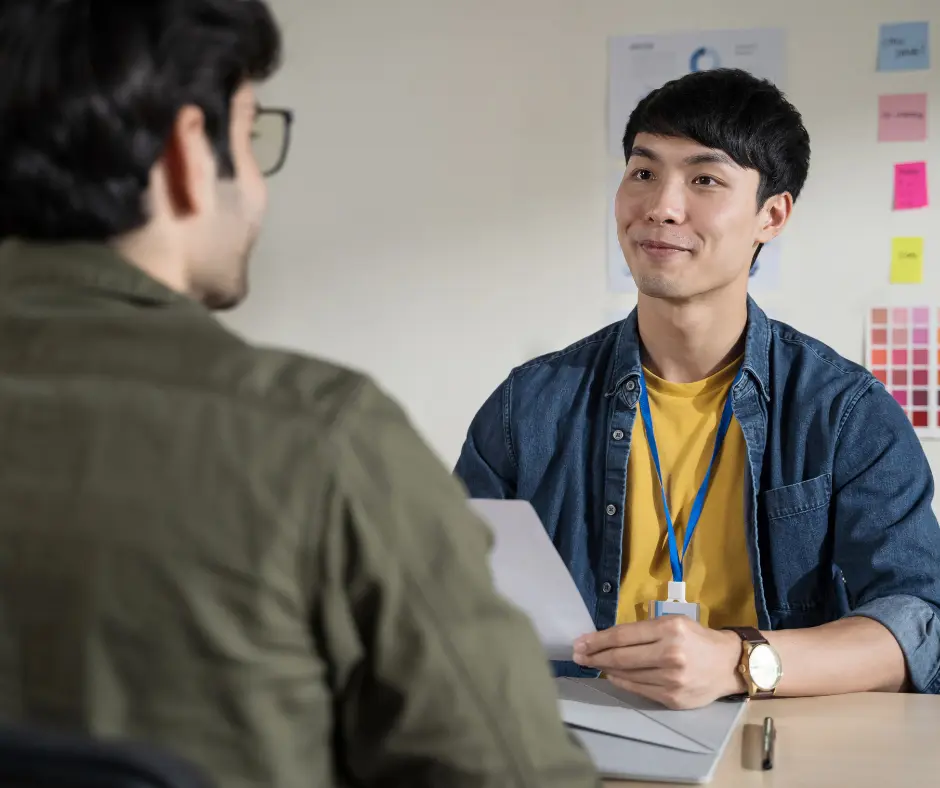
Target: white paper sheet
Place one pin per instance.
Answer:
(529, 572)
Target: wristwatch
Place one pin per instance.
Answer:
(760, 663)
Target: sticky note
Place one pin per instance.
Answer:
(910, 185)
(902, 117)
(904, 46)
(907, 261)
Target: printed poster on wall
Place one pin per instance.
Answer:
(639, 64)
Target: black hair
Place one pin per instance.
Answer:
(89, 94)
(731, 110)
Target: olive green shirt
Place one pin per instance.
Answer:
(244, 556)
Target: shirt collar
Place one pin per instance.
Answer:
(626, 363)
(90, 266)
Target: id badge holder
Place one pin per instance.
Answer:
(675, 604)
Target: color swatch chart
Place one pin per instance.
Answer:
(903, 352)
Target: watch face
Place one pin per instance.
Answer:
(764, 666)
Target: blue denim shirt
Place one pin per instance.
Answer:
(837, 501)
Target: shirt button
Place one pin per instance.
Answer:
(630, 385)
(606, 588)
(611, 509)
(618, 435)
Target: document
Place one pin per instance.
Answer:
(630, 737)
(529, 572)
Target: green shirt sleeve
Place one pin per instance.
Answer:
(438, 681)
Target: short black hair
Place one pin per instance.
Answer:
(731, 110)
(89, 93)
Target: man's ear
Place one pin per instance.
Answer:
(774, 215)
(189, 164)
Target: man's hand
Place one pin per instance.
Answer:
(671, 660)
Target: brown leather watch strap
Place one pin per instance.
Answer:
(748, 634)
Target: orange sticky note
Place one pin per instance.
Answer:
(910, 185)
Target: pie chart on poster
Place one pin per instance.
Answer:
(703, 59)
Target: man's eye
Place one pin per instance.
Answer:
(705, 180)
(642, 175)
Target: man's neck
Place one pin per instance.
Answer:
(689, 341)
(156, 259)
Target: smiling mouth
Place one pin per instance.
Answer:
(659, 246)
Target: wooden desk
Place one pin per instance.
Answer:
(870, 740)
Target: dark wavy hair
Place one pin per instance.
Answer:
(89, 94)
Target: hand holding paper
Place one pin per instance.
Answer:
(671, 660)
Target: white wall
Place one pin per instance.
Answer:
(442, 214)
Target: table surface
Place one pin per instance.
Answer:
(868, 740)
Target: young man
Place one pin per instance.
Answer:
(244, 556)
(793, 479)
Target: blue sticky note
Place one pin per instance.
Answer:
(904, 46)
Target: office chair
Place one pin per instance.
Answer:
(33, 758)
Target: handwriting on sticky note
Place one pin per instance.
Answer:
(910, 185)
(904, 46)
(907, 261)
(902, 117)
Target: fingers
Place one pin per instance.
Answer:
(634, 634)
(646, 655)
(670, 696)
(650, 677)
(651, 691)
(668, 629)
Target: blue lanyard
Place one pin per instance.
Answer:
(674, 558)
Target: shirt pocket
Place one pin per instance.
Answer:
(797, 553)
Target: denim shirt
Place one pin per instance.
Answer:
(837, 498)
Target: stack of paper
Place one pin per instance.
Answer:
(633, 738)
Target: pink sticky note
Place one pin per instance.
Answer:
(910, 185)
(902, 117)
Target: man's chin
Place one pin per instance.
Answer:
(661, 287)
(226, 296)
(224, 302)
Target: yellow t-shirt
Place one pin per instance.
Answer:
(716, 569)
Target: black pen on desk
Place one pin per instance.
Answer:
(770, 736)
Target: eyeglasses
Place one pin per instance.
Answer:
(270, 138)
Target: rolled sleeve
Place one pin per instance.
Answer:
(887, 539)
(915, 626)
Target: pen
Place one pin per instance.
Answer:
(770, 736)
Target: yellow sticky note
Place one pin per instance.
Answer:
(907, 261)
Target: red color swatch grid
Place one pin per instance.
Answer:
(903, 352)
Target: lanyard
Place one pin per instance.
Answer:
(674, 558)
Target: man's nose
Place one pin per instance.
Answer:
(667, 204)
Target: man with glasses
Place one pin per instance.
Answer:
(244, 556)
